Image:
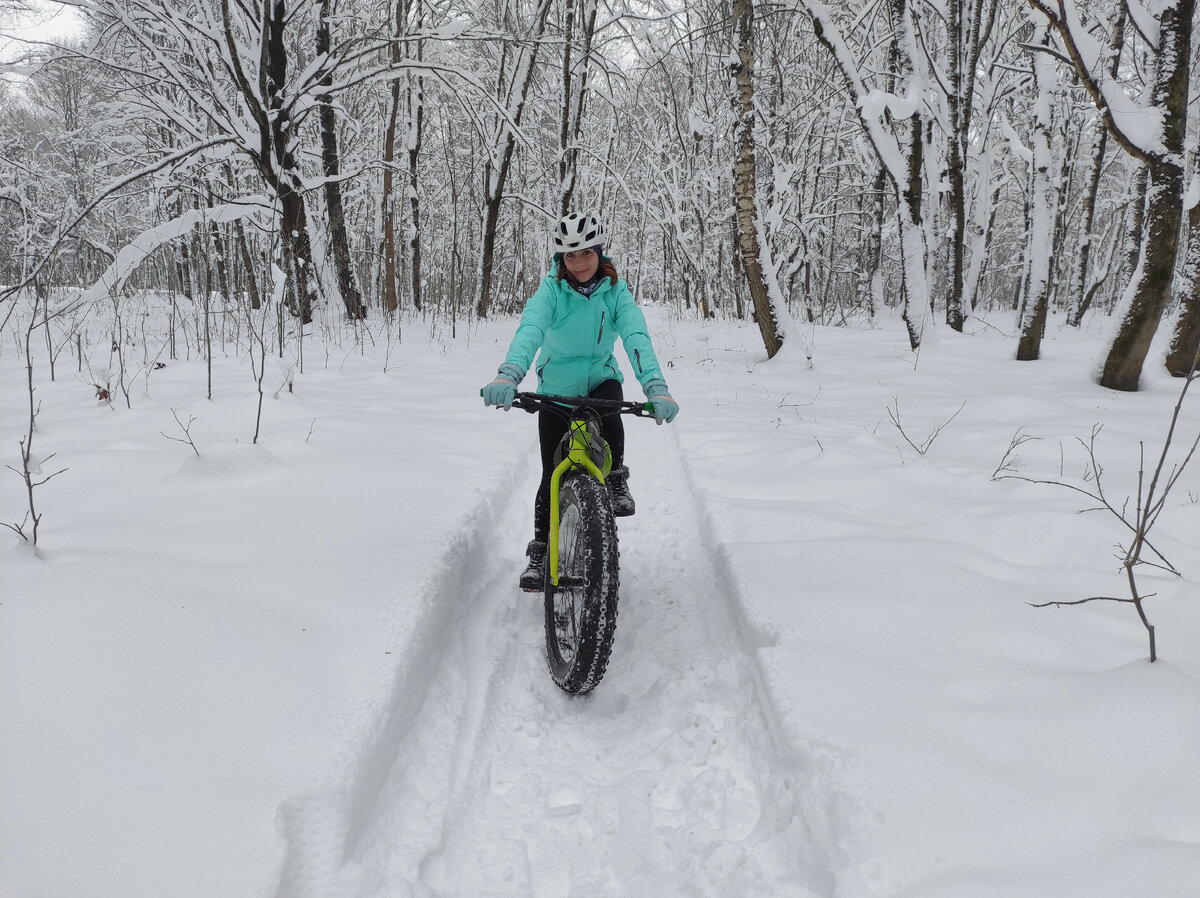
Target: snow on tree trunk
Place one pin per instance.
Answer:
(416, 134)
(1037, 298)
(769, 310)
(129, 257)
(1185, 339)
(892, 123)
(1150, 290)
(1152, 132)
(966, 33)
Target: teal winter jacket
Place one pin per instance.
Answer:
(573, 337)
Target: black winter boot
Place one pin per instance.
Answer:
(533, 578)
(618, 489)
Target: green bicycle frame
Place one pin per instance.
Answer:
(577, 456)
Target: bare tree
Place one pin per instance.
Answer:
(1160, 151)
(515, 78)
(339, 238)
(32, 470)
(579, 29)
(1150, 502)
(895, 131)
(408, 17)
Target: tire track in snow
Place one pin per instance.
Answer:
(667, 780)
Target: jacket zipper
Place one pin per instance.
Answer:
(601, 337)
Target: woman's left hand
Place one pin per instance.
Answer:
(665, 408)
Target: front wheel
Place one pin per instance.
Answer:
(581, 612)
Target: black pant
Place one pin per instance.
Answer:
(551, 428)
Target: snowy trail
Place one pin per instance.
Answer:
(665, 781)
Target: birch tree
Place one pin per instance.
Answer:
(1035, 306)
(969, 25)
(752, 242)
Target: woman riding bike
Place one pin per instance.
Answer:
(571, 324)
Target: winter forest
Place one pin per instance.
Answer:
(919, 273)
(262, 164)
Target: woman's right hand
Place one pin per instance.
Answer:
(501, 391)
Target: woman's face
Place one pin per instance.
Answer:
(582, 264)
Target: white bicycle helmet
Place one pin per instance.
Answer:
(578, 230)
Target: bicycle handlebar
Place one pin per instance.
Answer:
(566, 405)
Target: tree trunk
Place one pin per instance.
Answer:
(1037, 297)
(496, 174)
(391, 301)
(874, 287)
(1080, 297)
(574, 95)
(1151, 290)
(340, 240)
(299, 288)
(219, 261)
(755, 255)
(1135, 224)
(912, 235)
(416, 134)
(1151, 287)
(957, 105)
(280, 171)
(1185, 339)
(1184, 355)
(1075, 302)
(251, 269)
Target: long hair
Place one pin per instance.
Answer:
(606, 269)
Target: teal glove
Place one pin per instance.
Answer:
(503, 389)
(665, 408)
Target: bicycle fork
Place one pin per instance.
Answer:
(577, 456)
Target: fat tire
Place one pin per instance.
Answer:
(581, 613)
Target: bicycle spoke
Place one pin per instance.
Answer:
(568, 600)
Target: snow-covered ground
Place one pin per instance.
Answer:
(303, 668)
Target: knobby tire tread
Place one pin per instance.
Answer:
(596, 563)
